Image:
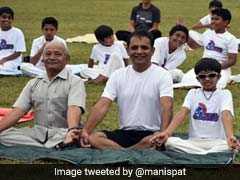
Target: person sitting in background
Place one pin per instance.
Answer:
(12, 43)
(211, 116)
(110, 55)
(36, 66)
(144, 16)
(218, 44)
(205, 22)
(170, 52)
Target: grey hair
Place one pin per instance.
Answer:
(66, 52)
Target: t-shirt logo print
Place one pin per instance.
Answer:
(202, 114)
(4, 45)
(144, 20)
(212, 47)
(107, 57)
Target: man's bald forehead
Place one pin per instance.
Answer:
(56, 44)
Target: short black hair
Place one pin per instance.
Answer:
(50, 20)
(141, 33)
(7, 10)
(207, 64)
(225, 14)
(102, 32)
(215, 4)
(179, 28)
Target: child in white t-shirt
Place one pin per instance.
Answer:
(211, 114)
(49, 29)
(12, 43)
(205, 22)
(110, 55)
(170, 52)
(218, 44)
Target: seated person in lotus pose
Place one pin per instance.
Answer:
(12, 43)
(57, 99)
(205, 22)
(143, 92)
(110, 55)
(170, 52)
(144, 16)
(49, 29)
(211, 116)
(218, 44)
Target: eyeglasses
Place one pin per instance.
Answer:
(210, 76)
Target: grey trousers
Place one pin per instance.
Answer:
(37, 136)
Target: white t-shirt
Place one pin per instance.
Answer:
(205, 116)
(162, 57)
(12, 41)
(38, 44)
(206, 20)
(102, 53)
(218, 45)
(138, 96)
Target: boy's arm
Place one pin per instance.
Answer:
(227, 120)
(177, 120)
(35, 58)
(11, 57)
(192, 44)
(232, 59)
(161, 137)
(199, 25)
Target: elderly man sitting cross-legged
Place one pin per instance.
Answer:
(58, 100)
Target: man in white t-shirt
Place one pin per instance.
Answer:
(109, 54)
(12, 43)
(205, 22)
(36, 66)
(218, 44)
(210, 112)
(170, 52)
(143, 92)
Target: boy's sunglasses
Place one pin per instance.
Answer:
(210, 76)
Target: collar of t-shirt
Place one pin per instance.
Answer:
(143, 72)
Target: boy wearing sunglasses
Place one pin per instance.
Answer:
(211, 116)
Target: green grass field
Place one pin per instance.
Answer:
(77, 17)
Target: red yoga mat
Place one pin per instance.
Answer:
(27, 117)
